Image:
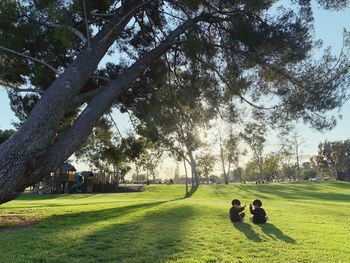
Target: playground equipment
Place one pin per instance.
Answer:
(79, 181)
(66, 180)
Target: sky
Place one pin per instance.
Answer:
(329, 26)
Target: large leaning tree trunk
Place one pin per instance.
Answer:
(24, 158)
(30, 154)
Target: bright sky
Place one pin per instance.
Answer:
(328, 27)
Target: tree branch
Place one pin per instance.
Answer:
(86, 25)
(18, 89)
(116, 126)
(103, 101)
(70, 28)
(31, 58)
(224, 80)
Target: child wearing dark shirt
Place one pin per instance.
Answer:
(259, 214)
(235, 211)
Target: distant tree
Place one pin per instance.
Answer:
(152, 160)
(236, 174)
(92, 152)
(139, 177)
(252, 171)
(254, 135)
(308, 173)
(272, 166)
(334, 158)
(291, 147)
(205, 164)
(298, 141)
(288, 171)
(229, 151)
(214, 179)
(175, 115)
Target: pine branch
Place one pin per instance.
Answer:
(31, 58)
(18, 89)
(86, 24)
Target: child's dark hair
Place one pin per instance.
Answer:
(236, 202)
(257, 202)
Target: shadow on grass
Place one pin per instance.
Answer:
(192, 191)
(275, 233)
(268, 229)
(305, 190)
(155, 237)
(133, 233)
(255, 194)
(248, 231)
(302, 192)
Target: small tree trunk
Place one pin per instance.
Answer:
(186, 177)
(228, 171)
(193, 169)
(261, 172)
(224, 170)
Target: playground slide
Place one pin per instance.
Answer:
(79, 181)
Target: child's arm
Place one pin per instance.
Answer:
(251, 209)
(241, 209)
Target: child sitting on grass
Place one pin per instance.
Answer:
(259, 214)
(235, 211)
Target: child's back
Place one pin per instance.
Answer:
(259, 214)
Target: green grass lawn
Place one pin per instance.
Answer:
(310, 222)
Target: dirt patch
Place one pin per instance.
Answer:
(13, 223)
(19, 212)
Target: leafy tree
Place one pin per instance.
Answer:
(92, 152)
(288, 171)
(205, 164)
(308, 173)
(252, 171)
(175, 115)
(254, 135)
(50, 51)
(291, 146)
(334, 158)
(272, 167)
(229, 151)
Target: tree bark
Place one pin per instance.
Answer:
(193, 169)
(24, 152)
(186, 177)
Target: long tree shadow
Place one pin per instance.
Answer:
(154, 238)
(275, 233)
(295, 191)
(130, 233)
(256, 193)
(248, 231)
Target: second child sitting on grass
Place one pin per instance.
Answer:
(259, 214)
(235, 211)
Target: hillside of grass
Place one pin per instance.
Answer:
(309, 223)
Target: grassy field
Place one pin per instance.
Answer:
(309, 223)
